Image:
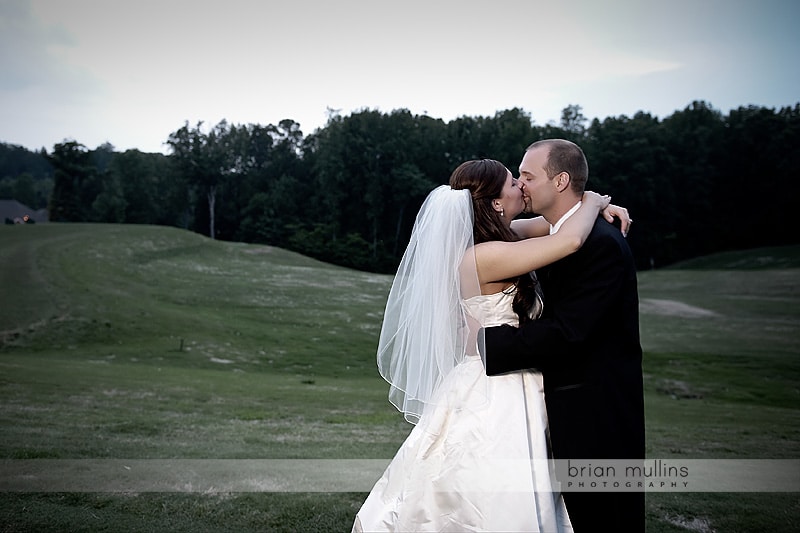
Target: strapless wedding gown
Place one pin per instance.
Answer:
(477, 459)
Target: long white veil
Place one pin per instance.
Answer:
(426, 331)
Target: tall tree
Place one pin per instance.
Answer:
(693, 138)
(201, 160)
(573, 121)
(74, 184)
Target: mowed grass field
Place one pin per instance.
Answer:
(142, 342)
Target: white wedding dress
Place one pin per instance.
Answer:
(477, 459)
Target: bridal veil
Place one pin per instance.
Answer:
(426, 331)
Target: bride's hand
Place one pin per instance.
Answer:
(611, 211)
(601, 201)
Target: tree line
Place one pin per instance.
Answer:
(696, 182)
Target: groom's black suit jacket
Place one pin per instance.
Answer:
(586, 344)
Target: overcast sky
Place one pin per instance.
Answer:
(132, 72)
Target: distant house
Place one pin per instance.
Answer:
(11, 211)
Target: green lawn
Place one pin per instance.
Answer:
(141, 342)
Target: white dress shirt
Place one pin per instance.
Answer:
(563, 219)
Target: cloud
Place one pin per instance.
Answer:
(132, 72)
(28, 53)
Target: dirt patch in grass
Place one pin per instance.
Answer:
(691, 524)
(678, 389)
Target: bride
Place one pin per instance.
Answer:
(477, 458)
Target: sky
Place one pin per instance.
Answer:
(130, 73)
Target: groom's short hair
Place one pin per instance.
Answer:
(565, 156)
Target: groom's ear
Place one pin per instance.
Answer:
(562, 181)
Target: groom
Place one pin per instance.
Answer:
(587, 342)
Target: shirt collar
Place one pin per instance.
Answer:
(557, 226)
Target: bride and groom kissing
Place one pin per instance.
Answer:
(511, 342)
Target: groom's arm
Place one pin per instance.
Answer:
(531, 346)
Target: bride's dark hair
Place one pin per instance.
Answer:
(485, 179)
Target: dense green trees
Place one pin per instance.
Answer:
(25, 176)
(695, 182)
(106, 186)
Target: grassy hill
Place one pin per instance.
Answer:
(162, 294)
(141, 342)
